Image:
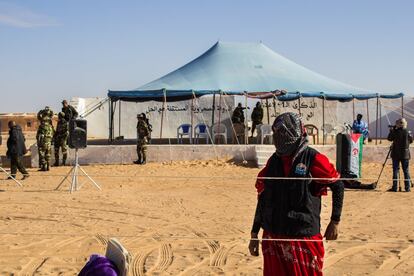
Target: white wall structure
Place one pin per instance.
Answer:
(336, 114)
(175, 114)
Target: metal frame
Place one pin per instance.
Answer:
(74, 173)
(13, 178)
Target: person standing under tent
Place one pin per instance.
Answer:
(60, 139)
(401, 139)
(257, 116)
(288, 210)
(16, 148)
(360, 126)
(238, 115)
(142, 140)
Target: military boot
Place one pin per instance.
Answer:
(138, 161)
(65, 156)
(42, 168)
(47, 167)
(144, 159)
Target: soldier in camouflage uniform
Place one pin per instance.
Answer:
(60, 139)
(44, 139)
(142, 140)
(45, 114)
(257, 116)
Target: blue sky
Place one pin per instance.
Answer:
(50, 50)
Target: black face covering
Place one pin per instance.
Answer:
(288, 133)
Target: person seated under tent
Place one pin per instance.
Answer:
(360, 126)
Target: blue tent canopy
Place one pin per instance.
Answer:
(341, 97)
(239, 68)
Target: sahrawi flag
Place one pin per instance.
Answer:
(356, 154)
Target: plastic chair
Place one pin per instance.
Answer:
(327, 130)
(201, 131)
(312, 131)
(219, 130)
(184, 130)
(265, 131)
(238, 133)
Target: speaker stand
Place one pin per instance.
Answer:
(9, 175)
(74, 172)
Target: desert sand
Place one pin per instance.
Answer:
(185, 218)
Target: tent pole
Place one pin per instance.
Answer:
(376, 126)
(368, 114)
(192, 118)
(110, 120)
(219, 115)
(323, 120)
(246, 126)
(162, 114)
(402, 107)
(380, 121)
(119, 119)
(299, 106)
(268, 116)
(353, 108)
(214, 109)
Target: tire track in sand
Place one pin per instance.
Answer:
(394, 261)
(34, 263)
(219, 258)
(165, 258)
(138, 264)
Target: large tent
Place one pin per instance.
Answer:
(250, 69)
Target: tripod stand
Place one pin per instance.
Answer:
(383, 166)
(75, 173)
(13, 178)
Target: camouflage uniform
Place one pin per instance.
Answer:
(45, 114)
(142, 140)
(60, 139)
(44, 139)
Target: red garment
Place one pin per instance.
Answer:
(285, 258)
(297, 257)
(321, 168)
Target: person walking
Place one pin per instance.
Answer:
(288, 210)
(16, 148)
(401, 139)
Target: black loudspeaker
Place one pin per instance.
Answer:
(343, 155)
(77, 134)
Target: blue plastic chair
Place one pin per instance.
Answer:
(184, 130)
(201, 131)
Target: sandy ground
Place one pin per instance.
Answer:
(48, 232)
